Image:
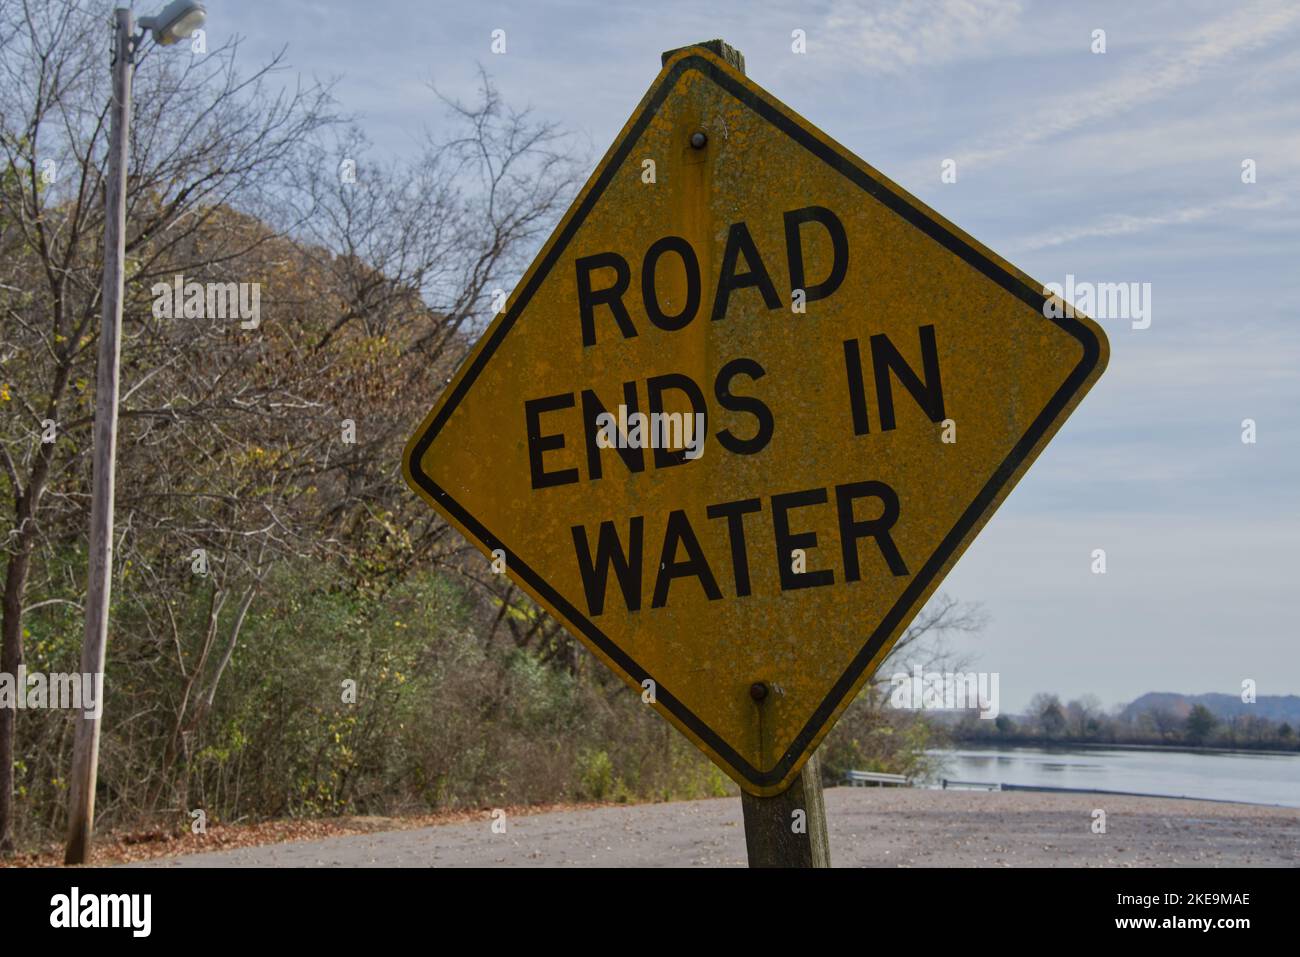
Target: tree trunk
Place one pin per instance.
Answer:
(11, 656)
(11, 626)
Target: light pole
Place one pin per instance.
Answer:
(177, 21)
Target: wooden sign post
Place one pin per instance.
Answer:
(787, 829)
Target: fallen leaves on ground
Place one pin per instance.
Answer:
(131, 846)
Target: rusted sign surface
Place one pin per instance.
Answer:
(870, 381)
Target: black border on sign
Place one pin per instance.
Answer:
(920, 581)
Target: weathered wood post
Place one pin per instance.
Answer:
(789, 829)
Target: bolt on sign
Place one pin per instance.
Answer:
(744, 413)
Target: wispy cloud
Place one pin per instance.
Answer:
(891, 37)
(1244, 31)
(1121, 224)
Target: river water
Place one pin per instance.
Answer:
(1227, 776)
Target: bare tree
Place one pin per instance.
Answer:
(927, 641)
(1082, 715)
(205, 136)
(250, 447)
(1166, 723)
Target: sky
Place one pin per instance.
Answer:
(1122, 166)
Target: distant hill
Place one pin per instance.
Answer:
(1222, 706)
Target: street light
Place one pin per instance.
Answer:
(178, 20)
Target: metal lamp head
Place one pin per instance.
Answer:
(178, 20)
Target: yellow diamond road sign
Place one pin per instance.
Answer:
(743, 414)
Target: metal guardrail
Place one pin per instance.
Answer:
(879, 779)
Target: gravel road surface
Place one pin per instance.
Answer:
(869, 827)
